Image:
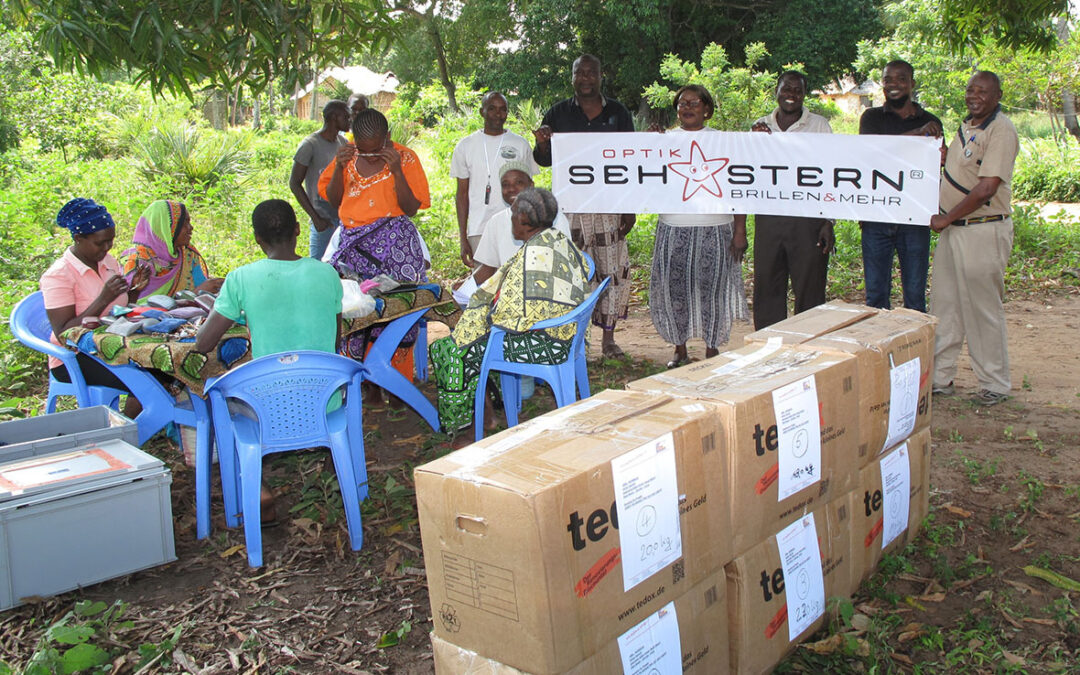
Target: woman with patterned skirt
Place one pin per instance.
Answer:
(546, 278)
(696, 287)
(377, 186)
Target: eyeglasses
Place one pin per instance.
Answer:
(690, 103)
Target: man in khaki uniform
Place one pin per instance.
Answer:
(968, 286)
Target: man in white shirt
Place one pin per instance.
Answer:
(786, 246)
(497, 245)
(475, 164)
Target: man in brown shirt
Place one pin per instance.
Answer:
(968, 288)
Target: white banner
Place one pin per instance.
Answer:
(892, 179)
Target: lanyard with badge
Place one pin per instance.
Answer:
(487, 162)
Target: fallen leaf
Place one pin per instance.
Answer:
(911, 601)
(827, 646)
(1012, 622)
(957, 511)
(1041, 622)
(931, 597)
(232, 550)
(860, 622)
(985, 595)
(908, 635)
(418, 439)
(902, 658)
(974, 643)
(1013, 658)
(1020, 545)
(392, 562)
(1023, 588)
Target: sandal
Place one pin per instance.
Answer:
(989, 398)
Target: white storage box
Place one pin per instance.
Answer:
(75, 518)
(33, 436)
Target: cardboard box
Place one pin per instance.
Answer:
(886, 345)
(758, 593)
(71, 519)
(742, 383)
(869, 503)
(525, 559)
(702, 616)
(812, 323)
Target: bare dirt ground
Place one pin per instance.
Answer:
(1005, 494)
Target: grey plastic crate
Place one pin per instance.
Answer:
(40, 435)
(71, 519)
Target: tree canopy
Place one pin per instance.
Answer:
(174, 44)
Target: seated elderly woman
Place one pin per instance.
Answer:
(85, 283)
(546, 278)
(162, 244)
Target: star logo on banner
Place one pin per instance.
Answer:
(699, 172)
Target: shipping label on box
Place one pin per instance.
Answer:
(779, 589)
(687, 635)
(812, 323)
(892, 500)
(895, 352)
(541, 547)
(790, 428)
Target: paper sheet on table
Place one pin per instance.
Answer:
(896, 486)
(903, 401)
(804, 583)
(798, 435)
(647, 499)
(652, 646)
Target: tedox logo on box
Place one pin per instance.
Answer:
(872, 501)
(765, 439)
(775, 583)
(595, 526)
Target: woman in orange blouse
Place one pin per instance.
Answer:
(377, 186)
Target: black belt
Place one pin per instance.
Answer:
(976, 221)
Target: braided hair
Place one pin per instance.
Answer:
(538, 206)
(369, 123)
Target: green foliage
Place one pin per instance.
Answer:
(1047, 172)
(743, 93)
(1017, 24)
(70, 644)
(186, 157)
(174, 44)
(821, 34)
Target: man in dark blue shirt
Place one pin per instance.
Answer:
(900, 115)
(601, 235)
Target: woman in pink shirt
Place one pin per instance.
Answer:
(86, 283)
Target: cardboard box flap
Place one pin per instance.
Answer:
(876, 331)
(814, 322)
(541, 452)
(743, 373)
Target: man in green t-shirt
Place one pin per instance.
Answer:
(289, 302)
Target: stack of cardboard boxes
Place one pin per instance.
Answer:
(697, 522)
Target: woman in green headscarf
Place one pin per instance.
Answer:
(162, 241)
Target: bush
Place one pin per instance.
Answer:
(1046, 171)
(188, 157)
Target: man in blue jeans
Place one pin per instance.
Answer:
(900, 115)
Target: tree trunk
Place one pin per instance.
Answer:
(440, 58)
(256, 116)
(1068, 98)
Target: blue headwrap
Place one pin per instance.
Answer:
(84, 216)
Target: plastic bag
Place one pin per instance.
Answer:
(354, 303)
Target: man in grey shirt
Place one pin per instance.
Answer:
(314, 154)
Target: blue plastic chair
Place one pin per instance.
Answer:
(287, 396)
(420, 348)
(589, 264)
(566, 379)
(381, 373)
(30, 325)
